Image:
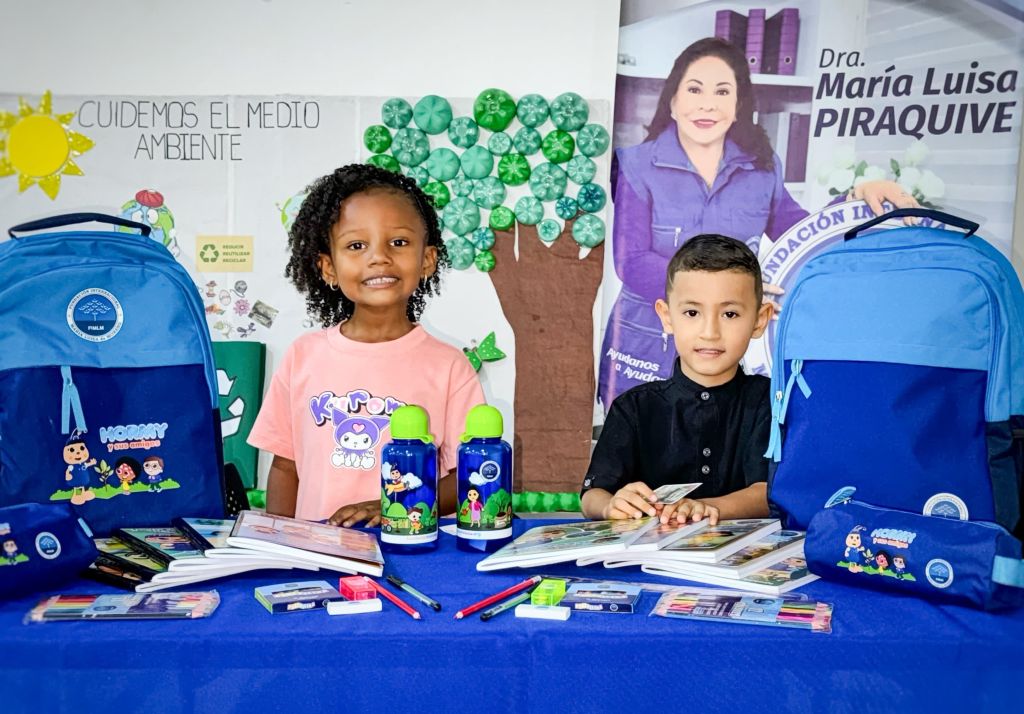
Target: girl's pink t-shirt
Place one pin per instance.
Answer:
(329, 404)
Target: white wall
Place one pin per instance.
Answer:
(358, 47)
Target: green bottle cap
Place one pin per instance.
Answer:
(482, 422)
(502, 218)
(484, 261)
(411, 422)
(588, 230)
(461, 252)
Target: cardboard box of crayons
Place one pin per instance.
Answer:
(296, 597)
(601, 597)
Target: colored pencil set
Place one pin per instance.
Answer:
(812, 615)
(137, 606)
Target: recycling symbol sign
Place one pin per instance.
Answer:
(209, 253)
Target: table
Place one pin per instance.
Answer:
(886, 653)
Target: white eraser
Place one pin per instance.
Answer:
(353, 607)
(543, 612)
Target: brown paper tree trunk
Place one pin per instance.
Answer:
(548, 298)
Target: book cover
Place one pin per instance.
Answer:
(601, 597)
(187, 605)
(166, 545)
(297, 597)
(211, 535)
(117, 551)
(749, 609)
(715, 543)
(796, 149)
(205, 533)
(731, 26)
(755, 39)
(775, 579)
(103, 570)
(342, 549)
(769, 550)
(661, 535)
(567, 541)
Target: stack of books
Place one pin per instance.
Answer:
(751, 554)
(199, 549)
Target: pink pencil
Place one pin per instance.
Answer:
(497, 596)
(396, 601)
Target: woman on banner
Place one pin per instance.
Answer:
(705, 167)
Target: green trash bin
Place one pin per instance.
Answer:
(240, 373)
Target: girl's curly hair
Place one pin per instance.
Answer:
(310, 236)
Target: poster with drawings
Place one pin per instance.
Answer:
(219, 179)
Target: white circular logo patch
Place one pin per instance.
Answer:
(946, 505)
(47, 545)
(939, 573)
(95, 315)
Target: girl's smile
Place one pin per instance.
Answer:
(378, 256)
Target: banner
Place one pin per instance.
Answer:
(782, 125)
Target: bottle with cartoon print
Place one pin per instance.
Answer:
(484, 515)
(408, 496)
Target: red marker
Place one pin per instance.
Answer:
(497, 596)
(400, 604)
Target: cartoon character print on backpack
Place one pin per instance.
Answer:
(86, 477)
(78, 474)
(153, 476)
(859, 558)
(10, 555)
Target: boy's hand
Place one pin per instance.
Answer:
(689, 509)
(633, 500)
(354, 513)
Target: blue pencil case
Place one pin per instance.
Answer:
(968, 562)
(41, 546)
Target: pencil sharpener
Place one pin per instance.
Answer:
(355, 587)
(550, 591)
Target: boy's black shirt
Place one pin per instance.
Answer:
(677, 431)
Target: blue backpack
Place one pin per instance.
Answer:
(108, 394)
(899, 371)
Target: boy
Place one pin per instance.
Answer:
(709, 422)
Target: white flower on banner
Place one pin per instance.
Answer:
(843, 173)
(871, 173)
(916, 154)
(840, 180)
(908, 179)
(931, 186)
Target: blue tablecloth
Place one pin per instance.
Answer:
(885, 653)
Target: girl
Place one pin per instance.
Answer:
(705, 167)
(366, 251)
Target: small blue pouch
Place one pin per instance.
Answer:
(41, 546)
(968, 562)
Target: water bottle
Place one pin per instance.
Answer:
(408, 472)
(484, 515)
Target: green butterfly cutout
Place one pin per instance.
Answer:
(486, 351)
